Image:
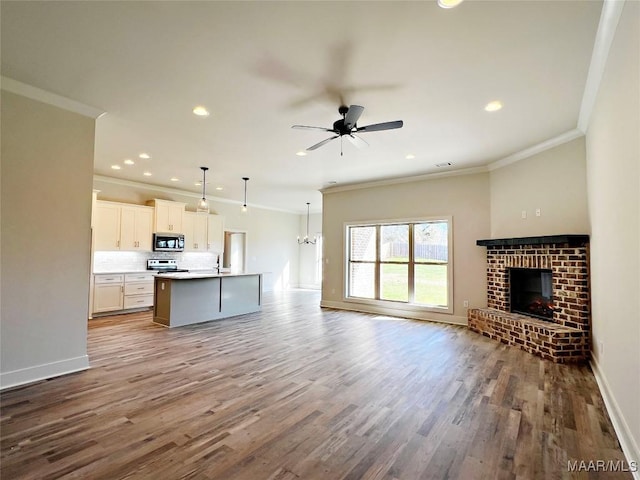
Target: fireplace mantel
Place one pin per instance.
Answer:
(570, 240)
(566, 336)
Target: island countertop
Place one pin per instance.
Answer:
(202, 274)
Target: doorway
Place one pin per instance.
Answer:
(235, 251)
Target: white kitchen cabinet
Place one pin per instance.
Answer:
(108, 293)
(195, 229)
(168, 216)
(138, 290)
(120, 226)
(215, 234)
(106, 226)
(136, 228)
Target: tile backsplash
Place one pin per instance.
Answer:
(135, 261)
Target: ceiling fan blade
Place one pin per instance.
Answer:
(352, 116)
(357, 141)
(318, 145)
(306, 127)
(380, 126)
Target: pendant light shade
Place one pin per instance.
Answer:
(203, 205)
(244, 205)
(305, 240)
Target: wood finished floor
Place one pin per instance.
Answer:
(299, 392)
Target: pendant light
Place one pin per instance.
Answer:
(203, 205)
(244, 205)
(305, 240)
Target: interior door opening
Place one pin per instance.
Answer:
(235, 251)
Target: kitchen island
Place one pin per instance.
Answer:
(194, 297)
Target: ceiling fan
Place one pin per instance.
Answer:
(347, 125)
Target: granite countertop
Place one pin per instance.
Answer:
(202, 274)
(122, 272)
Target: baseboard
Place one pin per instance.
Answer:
(627, 442)
(42, 372)
(309, 286)
(364, 308)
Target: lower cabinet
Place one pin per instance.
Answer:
(138, 290)
(122, 291)
(108, 293)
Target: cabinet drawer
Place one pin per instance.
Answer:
(136, 301)
(138, 288)
(106, 278)
(138, 277)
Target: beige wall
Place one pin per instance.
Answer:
(553, 181)
(465, 198)
(613, 174)
(47, 167)
(271, 235)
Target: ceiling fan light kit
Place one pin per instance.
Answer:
(347, 126)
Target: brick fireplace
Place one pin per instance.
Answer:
(564, 336)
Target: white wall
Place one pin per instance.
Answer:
(271, 235)
(464, 197)
(553, 181)
(613, 178)
(47, 167)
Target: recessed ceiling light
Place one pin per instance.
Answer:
(144, 155)
(197, 184)
(128, 161)
(200, 111)
(411, 156)
(449, 3)
(218, 188)
(301, 153)
(174, 179)
(116, 167)
(444, 164)
(147, 174)
(493, 106)
(332, 182)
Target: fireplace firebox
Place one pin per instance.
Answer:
(530, 292)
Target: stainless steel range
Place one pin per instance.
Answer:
(163, 266)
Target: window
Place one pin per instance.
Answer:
(403, 262)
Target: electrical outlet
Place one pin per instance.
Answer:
(537, 212)
(524, 214)
(466, 303)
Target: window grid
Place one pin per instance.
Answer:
(411, 262)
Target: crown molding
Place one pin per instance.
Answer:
(536, 149)
(400, 180)
(184, 193)
(19, 88)
(609, 18)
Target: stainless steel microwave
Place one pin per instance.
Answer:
(168, 242)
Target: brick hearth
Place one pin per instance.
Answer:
(565, 338)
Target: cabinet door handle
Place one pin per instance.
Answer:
(140, 288)
(118, 243)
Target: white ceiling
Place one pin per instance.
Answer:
(261, 67)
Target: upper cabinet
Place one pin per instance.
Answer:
(122, 227)
(106, 226)
(195, 231)
(215, 234)
(136, 228)
(168, 216)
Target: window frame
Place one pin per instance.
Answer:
(410, 305)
